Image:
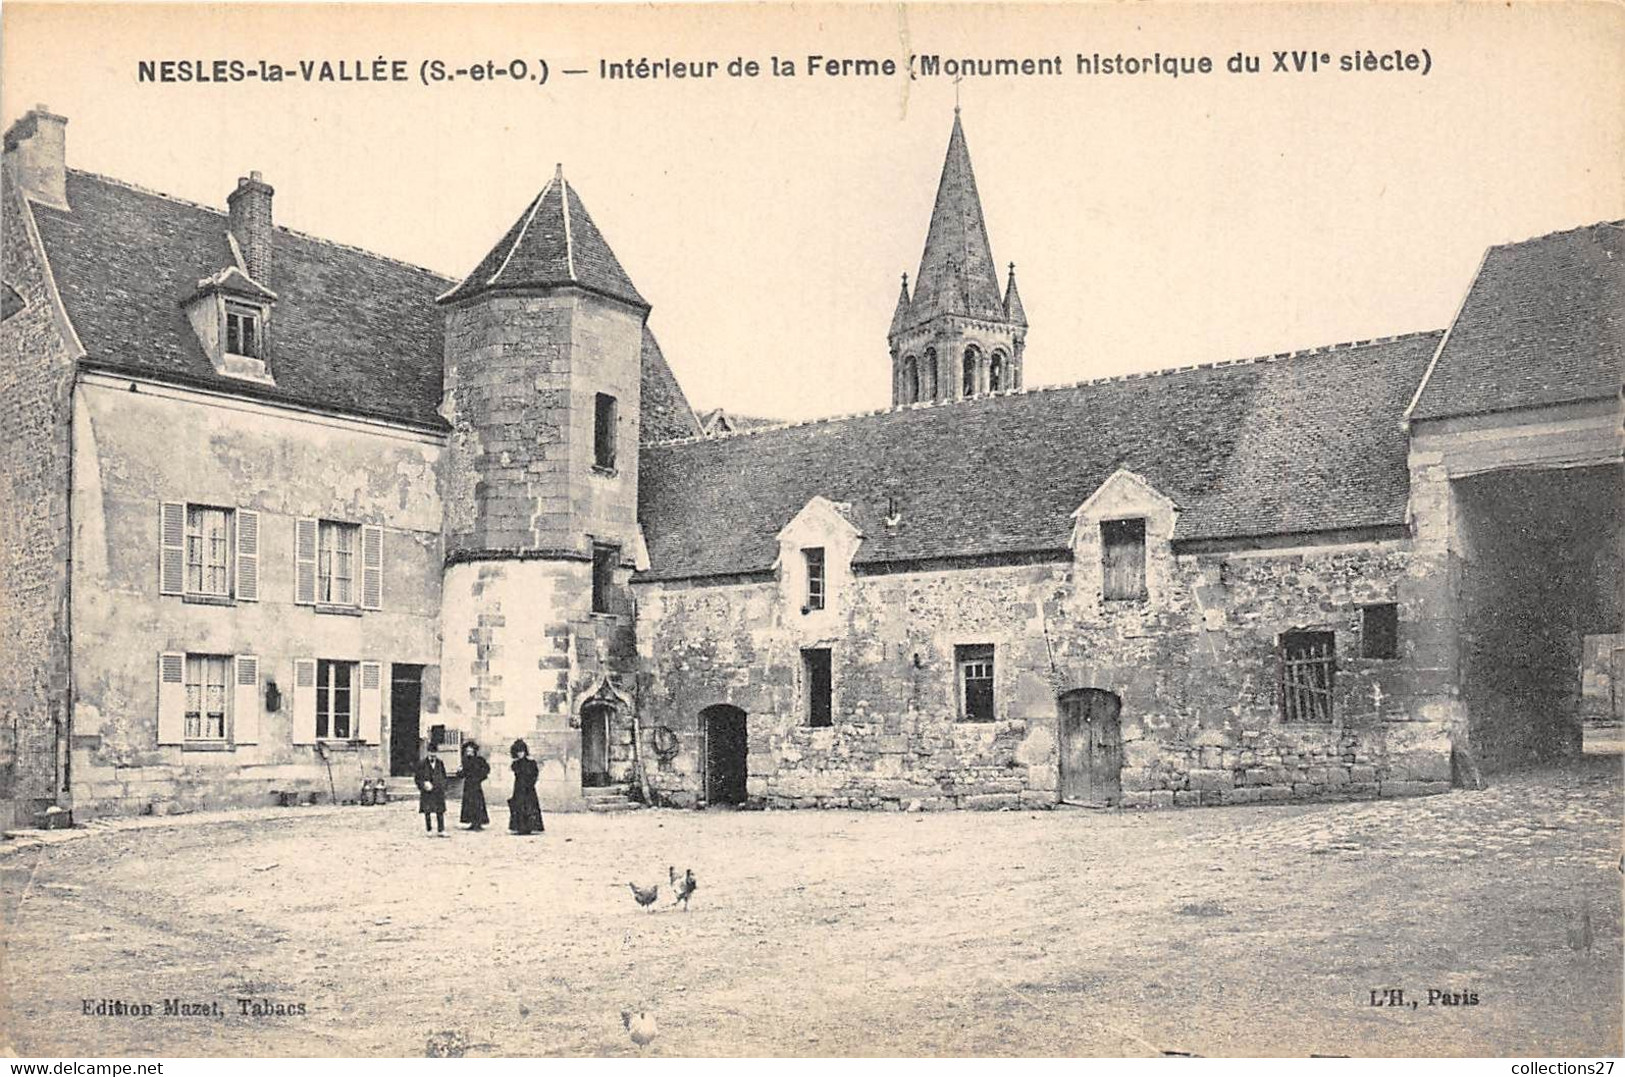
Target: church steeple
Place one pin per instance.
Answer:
(958, 336)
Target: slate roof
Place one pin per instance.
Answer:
(957, 273)
(1543, 323)
(350, 331)
(1302, 443)
(554, 242)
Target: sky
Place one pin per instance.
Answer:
(1154, 221)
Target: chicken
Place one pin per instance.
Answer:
(641, 1026)
(682, 888)
(1582, 936)
(645, 896)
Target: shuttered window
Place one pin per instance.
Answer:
(208, 552)
(1122, 546)
(207, 678)
(336, 563)
(335, 700)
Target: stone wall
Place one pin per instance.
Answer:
(36, 379)
(1195, 664)
(137, 445)
(533, 656)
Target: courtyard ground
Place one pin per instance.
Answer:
(1256, 930)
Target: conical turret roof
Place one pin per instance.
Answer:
(553, 243)
(1013, 312)
(900, 319)
(957, 273)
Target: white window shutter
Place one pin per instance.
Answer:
(304, 701)
(372, 703)
(171, 698)
(304, 562)
(245, 701)
(372, 567)
(172, 548)
(248, 556)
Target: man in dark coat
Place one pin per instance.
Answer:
(475, 771)
(431, 779)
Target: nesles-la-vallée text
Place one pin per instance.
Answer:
(186, 1007)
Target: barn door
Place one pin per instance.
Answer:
(1091, 747)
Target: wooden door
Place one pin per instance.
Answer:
(1091, 747)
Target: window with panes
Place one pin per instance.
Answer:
(336, 563)
(206, 696)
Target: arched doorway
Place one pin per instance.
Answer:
(1091, 747)
(595, 744)
(723, 727)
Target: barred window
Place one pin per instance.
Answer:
(206, 696)
(1306, 677)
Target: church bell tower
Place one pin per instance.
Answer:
(956, 336)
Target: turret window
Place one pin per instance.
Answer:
(996, 373)
(603, 433)
(908, 391)
(928, 376)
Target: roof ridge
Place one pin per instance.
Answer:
(217, 211)
(1604, 223)
(1135, 375)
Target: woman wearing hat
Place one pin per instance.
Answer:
(524, 810)
(475, 771)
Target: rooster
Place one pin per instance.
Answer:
(641, 1026)
(645, 896)
(683, 888)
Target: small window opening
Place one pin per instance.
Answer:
(1122, 551)
(973, 360)
(1379, 631)
(975, 665)
(815, 668)
(243, 332)
(816, 589)
(603, 432)
(604, 560)
(1308, 668)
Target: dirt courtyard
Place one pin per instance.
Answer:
(1256, 930)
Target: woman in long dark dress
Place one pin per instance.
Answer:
(524, 810)
(475, 771)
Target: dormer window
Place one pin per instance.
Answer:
(243, 336)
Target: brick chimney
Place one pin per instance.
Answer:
(36, 154)
(250, 206)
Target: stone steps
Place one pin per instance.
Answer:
(609, 798)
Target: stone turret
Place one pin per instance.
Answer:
(542, 376)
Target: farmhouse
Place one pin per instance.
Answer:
(274, 511)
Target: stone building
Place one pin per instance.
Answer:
(273, 510)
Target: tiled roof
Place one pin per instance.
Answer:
(350, 331)
(663, 407)
(1304, 443)
(957, 274)
(1543, 323)
(554, 242)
